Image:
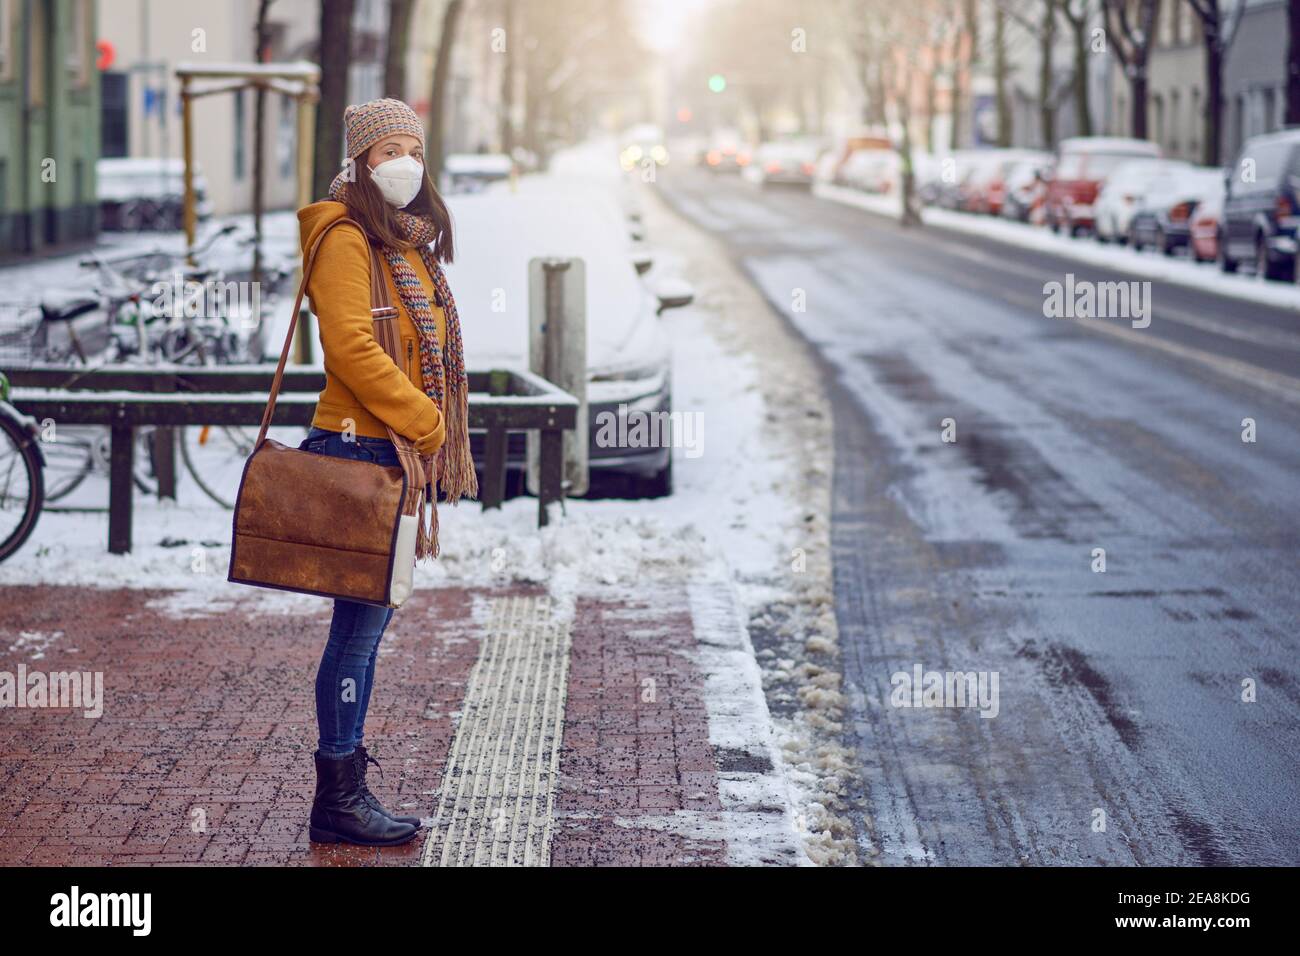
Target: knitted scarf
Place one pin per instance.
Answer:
(441, 370)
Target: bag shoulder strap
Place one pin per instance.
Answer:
(381, 310)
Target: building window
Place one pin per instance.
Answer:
(239, 134)
(1175, 122)
(1194, 123)
(6, 40)
(36, 41)
(1266, 100)
(287, 136)
(77, 54)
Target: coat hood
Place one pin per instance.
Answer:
(313, 219)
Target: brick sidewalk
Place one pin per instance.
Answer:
(203, 752)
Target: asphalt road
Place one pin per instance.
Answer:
(1121, 733)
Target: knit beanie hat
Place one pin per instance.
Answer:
(368, 123)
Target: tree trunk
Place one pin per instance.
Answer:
(1138, 112)
(335, 57)
(261, 53)
(1046, 99)
(1000, 75)
(438, 101)
(930, 95)
(1293, 63)
(507, 134)
(1082, 108)
(1213, 99)
(399, 41)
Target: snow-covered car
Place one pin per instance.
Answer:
(986, 189)
(628, 354)
(1163, 218)
(871, 170)
(139, 194)
(1204, 227)
(1026, 188)
(786, 163)
(472, 172)
(1122, 195)
(1082, 166)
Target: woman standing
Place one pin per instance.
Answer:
(422, 396)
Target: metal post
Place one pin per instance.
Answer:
(302, 345)
(493, 490)
(120, 485)
(551, 468)
(187, 134)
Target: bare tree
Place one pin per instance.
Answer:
(507, 106)
(1000, 75)
(399, 41)
(334, 56)
(435, 153)
(1293, 63)
(1078, 13)
(262, 51)
(1218, 30)
(1131, 25)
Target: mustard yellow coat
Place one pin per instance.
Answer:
(363, 386)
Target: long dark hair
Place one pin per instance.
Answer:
(366, 204)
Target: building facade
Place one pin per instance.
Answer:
(49, 124)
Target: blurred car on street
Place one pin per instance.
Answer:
(986, 188)
(1122, 195)
(1163, 218)
(643, 142)
(1204, 228)
(473, 172)
(1261, 206)
(1026, 188)
(727, 152)
(1083, 164)
(789, 163)
(628, 355)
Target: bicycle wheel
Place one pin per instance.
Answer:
(70, 457)
(22, 486)
(215, 455)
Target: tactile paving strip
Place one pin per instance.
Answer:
(497, 797)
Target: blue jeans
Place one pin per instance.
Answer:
(347, 667)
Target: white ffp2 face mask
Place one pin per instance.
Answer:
(398, 179)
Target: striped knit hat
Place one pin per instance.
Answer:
(368, 123)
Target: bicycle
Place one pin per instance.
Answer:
(22, 475)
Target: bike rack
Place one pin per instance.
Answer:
(123, 398)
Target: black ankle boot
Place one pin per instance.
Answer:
(362, 757)
(340, 813)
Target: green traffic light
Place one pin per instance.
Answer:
(717, 83)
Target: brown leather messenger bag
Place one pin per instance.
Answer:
(323, 525)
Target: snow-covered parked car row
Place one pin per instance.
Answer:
(1117, 190)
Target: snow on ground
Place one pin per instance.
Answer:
(1148, 264)
(758, 492)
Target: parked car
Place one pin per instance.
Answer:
(628, 356)
(953, 172)
(1025, 187)
(1164, 217)
(1261, 206)
(143, 194)
(1122, 194)
(986, 190)
(472, 172)
(838, 155)
(1204, 226)
(783, 163)
(1082, 166)
(871, 170)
